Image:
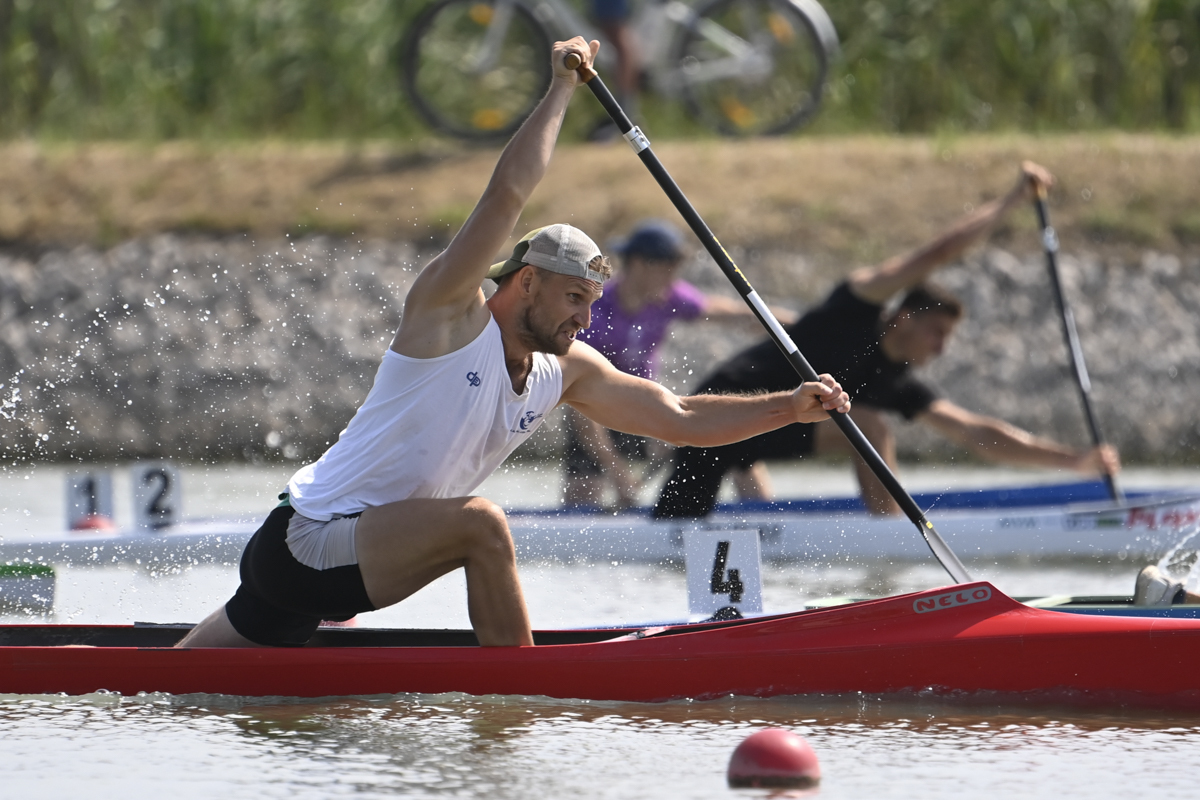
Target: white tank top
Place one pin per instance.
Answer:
(430, 427)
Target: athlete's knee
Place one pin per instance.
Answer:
(487, 528)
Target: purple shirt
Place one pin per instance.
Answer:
(631, 342)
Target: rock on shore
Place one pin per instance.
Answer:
(216, 349)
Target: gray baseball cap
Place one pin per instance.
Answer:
(559, 248)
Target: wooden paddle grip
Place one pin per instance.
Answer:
(575, 62)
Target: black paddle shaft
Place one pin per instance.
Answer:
(864, 448)
(1050, 245)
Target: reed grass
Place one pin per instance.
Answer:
(160, 69)
(195, 69)
(1033, 65)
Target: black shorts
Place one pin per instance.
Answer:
(578, 461)
(691, 491)
(281, 601)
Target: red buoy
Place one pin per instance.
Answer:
(774, 758)
(94, 522)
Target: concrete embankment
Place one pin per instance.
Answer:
(220, 348)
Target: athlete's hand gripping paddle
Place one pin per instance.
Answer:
(641, 146)
(1078, 367)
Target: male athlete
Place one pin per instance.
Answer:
(388, 509)
(871, 352)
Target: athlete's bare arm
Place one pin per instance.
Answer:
(877, 284)
(444, 309)
(627, 403)
(997, 440)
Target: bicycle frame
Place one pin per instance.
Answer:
(483, 60)
(708, 53)
(745, 59)
(657, 25)
(558, 17)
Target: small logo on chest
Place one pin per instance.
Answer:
(524, 423)
(473, 378)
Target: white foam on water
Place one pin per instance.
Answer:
(1182, 561)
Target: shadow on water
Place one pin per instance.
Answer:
(499, 719)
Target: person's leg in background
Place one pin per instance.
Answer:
(875, 427)
(612, 17)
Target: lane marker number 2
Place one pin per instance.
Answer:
(155, 494)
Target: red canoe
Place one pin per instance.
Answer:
(969, 638)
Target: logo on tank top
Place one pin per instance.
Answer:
(473, 378)
(524, 423)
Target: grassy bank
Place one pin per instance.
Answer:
(835, 199)
(149, 69)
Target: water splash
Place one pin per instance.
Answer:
(1182, 562)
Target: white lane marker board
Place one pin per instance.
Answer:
(156, 494)
(89, 495)
(724, 569)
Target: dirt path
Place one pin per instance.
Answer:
(835, 200)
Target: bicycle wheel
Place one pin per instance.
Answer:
(476, 68)
(750, 67)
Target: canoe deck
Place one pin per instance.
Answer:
(143, 634)
(961, 639)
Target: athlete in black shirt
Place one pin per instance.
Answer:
(848, 337)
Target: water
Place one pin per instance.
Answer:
(518, 747)
(32, 499)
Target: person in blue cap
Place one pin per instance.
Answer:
(629, 325)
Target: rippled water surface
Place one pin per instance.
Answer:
(518, 747)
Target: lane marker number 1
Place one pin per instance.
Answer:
(89, 499)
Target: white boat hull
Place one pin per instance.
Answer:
(1062, 532)
(1147, 526)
